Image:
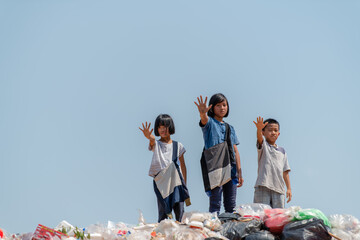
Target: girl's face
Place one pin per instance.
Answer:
(221, 109)
(163, 131)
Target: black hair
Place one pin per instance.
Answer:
(164, 120)
(215, 99)
(270, 121)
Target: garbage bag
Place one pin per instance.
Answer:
(311, 229)
(275, 219)
(239, 230)
(311, 213)
(225, 217)
(261, 235)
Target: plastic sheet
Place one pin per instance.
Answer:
(262, 235)
(239, 230)
(311, 229)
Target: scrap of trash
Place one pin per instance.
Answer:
(248, 222)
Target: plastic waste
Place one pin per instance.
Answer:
(184, 233)
(226, 217)
(255, 210)
(141, 219)
(167, 227)
(309, 229)
(346, 227)
(67, 226)
(305, 214)
(261, 235)
(239, 230)
(275, 219)
(196, 216)
(213, 224)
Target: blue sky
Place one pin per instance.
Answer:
(77, 78)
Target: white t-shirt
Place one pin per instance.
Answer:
(272, 163)
(163, 156)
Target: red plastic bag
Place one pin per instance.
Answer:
(275, 219)
(43, 232)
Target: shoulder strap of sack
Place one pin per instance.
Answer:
(175, 151)
(228, 140)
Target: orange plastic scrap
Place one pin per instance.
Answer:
(43, 232)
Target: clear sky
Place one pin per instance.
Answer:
(78, 77)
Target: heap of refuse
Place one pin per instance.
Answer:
(248, 222)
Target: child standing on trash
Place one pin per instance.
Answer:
(273, 166)
(220, 161)
(169, 179)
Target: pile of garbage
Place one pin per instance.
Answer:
(248, 222)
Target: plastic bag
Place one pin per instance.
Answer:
(239, 230)
(196, 216)
(225, 217)
(347, 223)
(167, 227)
(275, 219)
(305, 214)
(346, 227)
(311, 229)
(253, 210)
(108, 231)
(261, 235)
(184, 233)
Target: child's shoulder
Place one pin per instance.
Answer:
(281, 149)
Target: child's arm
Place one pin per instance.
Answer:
(260, 126)
(238, 166)
(201, 105)
(287, 182)
(183, 166)
(147, 133)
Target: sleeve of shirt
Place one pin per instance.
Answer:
(182, 149)
(207, 125)
(286, 164)
(234, 139)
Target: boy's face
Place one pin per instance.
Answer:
(271, 133)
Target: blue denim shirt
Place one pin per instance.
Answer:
(214, 133)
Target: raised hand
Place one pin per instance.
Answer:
(201, 105)
(260, 123)
(146, 130)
